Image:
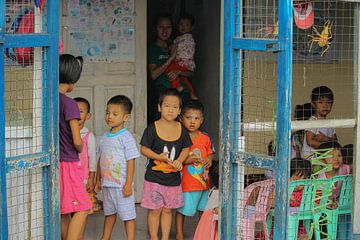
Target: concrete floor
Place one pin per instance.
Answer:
(95, 222)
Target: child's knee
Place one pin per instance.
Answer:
(166, 211)
(155, 211)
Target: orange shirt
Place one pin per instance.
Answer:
(193, 177)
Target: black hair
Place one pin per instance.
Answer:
(70, 68)
(83, 100)
(347, 152)
(193, 105)
(320, 92)
(331, 144)
(169, 92)
(123, 101)
(271, 148)
(161, 16)
(304, 112)
(214, 173)
(189, 17)
(301, 165)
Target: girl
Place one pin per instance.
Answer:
(206, 229)
(160, 55)
(166, 144)
(73, 196)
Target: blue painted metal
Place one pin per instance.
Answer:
(256, 44)
(28, 162)
(255, 160)
(53, 87)
(3, 195)
(226, 172)
(283, 130)
(28, 40)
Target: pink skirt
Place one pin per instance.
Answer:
(73, 195)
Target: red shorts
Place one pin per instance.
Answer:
(73, 195)
(156, 196)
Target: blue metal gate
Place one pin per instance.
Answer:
(29, 190)
(239, 43)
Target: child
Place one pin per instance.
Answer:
(73, 195)
(88, 154)
(322, 99)
(166, 144)
(184, 59)
(207, 225)
(194, 181)
(117, 151)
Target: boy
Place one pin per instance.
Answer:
(117, 151)
(322, 99)
(194, 180)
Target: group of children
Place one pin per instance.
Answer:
(310, 144)
(180, 161)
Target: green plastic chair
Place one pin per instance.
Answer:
(345, 205)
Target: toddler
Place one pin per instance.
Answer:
(166, 144)
(184, 59)
(73, 196)
(117, 151)
(322, 99)
(194, 180)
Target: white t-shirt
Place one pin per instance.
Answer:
(115, 149)
(307, 150)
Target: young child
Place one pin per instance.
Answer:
(194, 180)
(166, 144)
(322, 99)
(117, 151)
(73, 195)
(205, 228)
(184, 59)
(88, 154)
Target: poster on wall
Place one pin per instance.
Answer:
(102, 30)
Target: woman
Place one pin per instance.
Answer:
(160, 54)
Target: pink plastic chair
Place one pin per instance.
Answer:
(262, 208)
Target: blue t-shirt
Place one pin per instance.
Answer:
(115, 149)
(68, 110)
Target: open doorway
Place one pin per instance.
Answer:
(206, 33)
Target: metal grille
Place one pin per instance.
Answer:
(25, 204)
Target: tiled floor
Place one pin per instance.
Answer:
(95, 224)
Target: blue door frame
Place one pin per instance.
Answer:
(48, 159)
(233, 45)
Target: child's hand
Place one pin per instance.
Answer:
(215, 210)
(164, 157)
(192, 158)
(97, 188)
(322, 137)
(207, 162)
(127, 189)
(173, 74)
(90, 185)
(177, 165)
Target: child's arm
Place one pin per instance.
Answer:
(147, 152)
(315, 140)
(75, 132)
(130, 169)
(208, 160)
(98, 179)
(92, 162)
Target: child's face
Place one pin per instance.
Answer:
(322, 106)
(116, 117)
(192, 120)
(184, 26)
(335, 160)
(163, 29)
(170, 108)
(84, 114)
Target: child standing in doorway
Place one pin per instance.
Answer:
(166, 144)
(184, 59)
(116, 167)
(194, 182)
(73, 196)
(322, 99)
